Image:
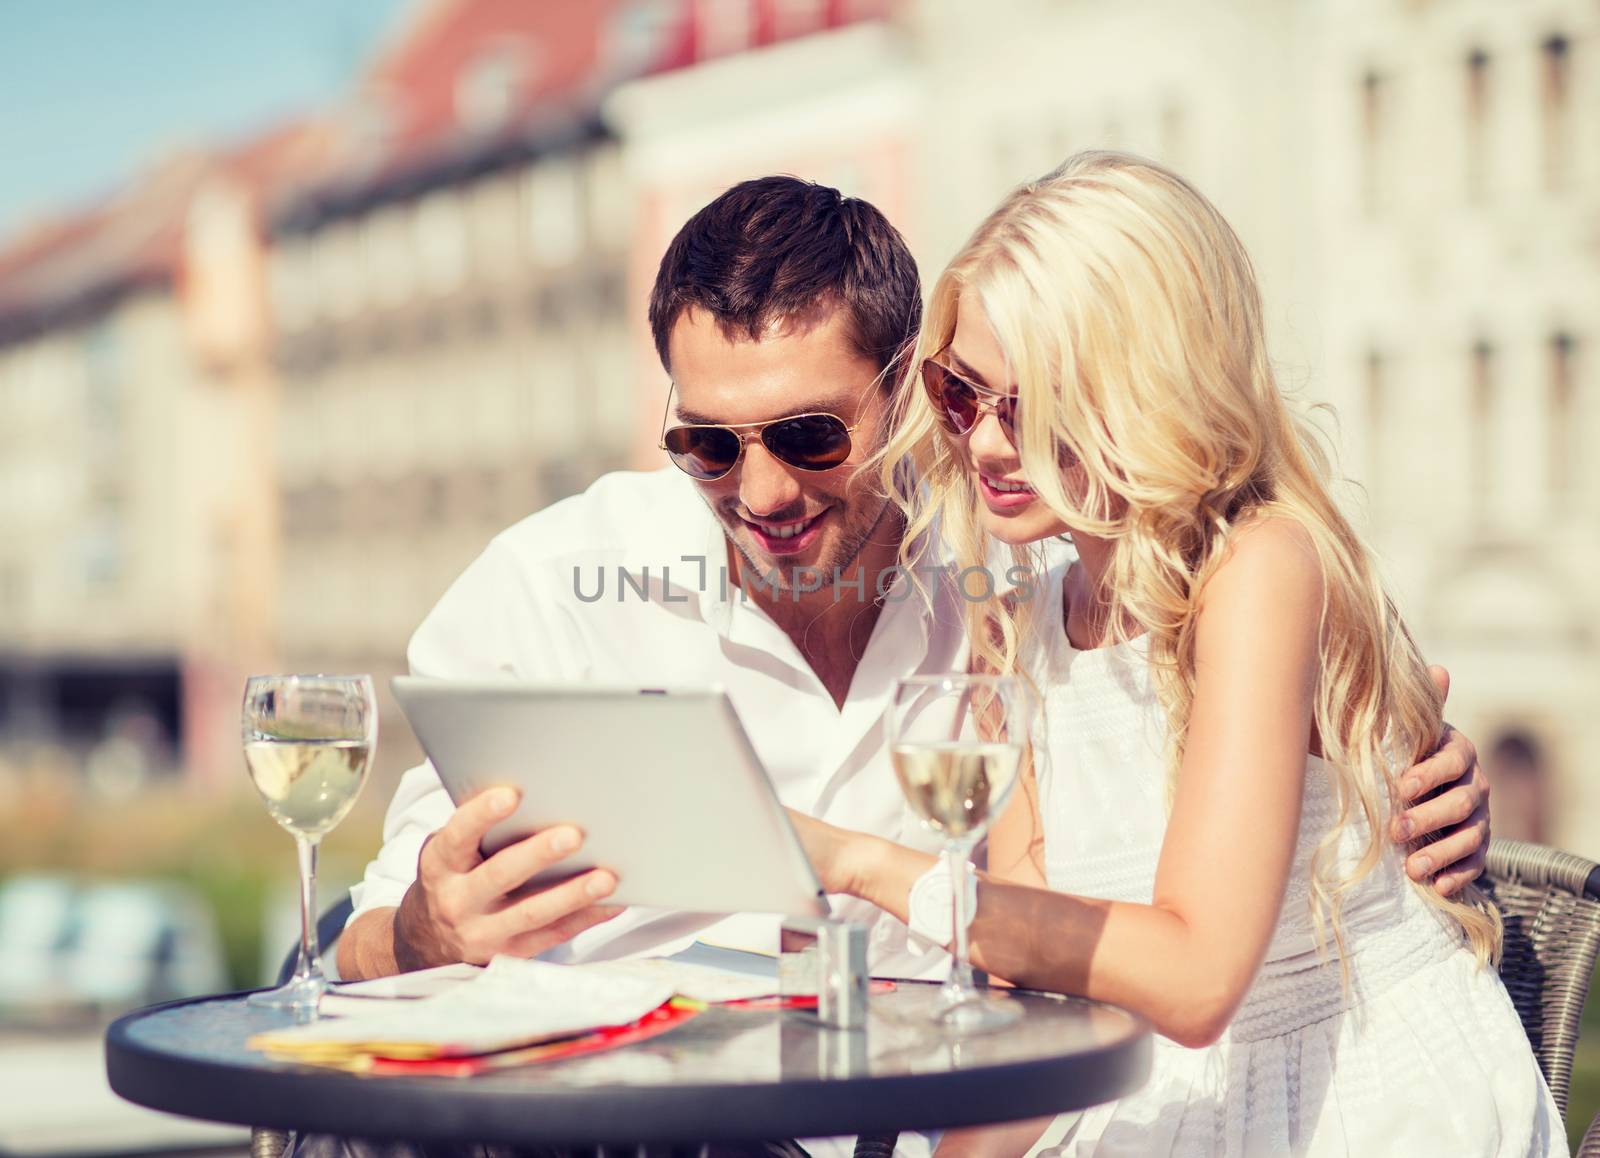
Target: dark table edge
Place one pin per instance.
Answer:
(234, 1093)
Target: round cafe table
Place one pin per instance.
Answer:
(727, 1075)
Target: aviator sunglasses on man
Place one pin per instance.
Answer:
(709, 451)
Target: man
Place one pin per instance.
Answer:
(779, 299)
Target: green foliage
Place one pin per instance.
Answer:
(222, 845)
(1584, 1101)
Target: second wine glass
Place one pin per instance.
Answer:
(958, 743)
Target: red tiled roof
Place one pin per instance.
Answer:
(555, 62)
(552, 49)
(40, 242)
(282, 157)
(545, 65)
(135, 237)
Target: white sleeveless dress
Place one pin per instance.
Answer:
(1425, 1056)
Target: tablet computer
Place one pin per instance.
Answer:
(663, 783)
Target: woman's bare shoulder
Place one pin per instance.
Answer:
(1270, 573)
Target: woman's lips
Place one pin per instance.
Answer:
(1007, 500)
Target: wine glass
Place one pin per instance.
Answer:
(307, 742)
(957, 743)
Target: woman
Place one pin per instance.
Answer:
(1228, 696)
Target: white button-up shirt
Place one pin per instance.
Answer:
(548, 601)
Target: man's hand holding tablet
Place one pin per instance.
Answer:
(460, 907)
(629, 799)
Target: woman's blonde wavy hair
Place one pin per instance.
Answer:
(1130, 317)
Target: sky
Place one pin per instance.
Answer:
(91, 91)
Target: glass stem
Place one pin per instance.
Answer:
(309, 950)
(958, 988)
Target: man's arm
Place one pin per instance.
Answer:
(458, 908)
(1448, 795)
(366, 948)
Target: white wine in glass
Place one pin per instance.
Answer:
(307, 742)
(308, 785)
(957, 743)
(956, 788)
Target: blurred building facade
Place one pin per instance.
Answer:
(448, 323)
(1457, 214)
(261, 407)
(455, 330)
(138, 559)
(1418, 182)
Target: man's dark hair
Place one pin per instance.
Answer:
(778, 248)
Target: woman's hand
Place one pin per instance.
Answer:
(837, 854)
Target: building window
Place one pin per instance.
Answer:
(436, 500)
(101, 549)
(1482, 413)
(1374, 386)
(389, 246)
(490, 487)
(551, 309)
(310, 510)
(1374, 126)
(13, 590)
(1556, 99)
(1566, 421)
(492, 221)
(610, 199)
(102, 379)
(338, 269)
(608, 290)
(563, 476)
(554, 211)
(1519, 804)
(442, 241)
(481, 317)
(1477, 122)
(294, 299)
